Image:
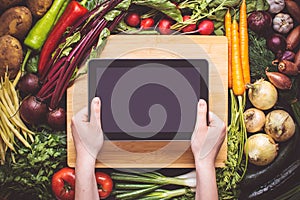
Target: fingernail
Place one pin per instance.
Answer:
(96, 100)
(201, 104)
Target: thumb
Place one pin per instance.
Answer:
(201, 114)
(96, 112)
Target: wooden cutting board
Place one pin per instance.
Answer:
(156, 154)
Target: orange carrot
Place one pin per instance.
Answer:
(244, 42)
(238, 84)
(228, 35)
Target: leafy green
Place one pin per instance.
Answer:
(260, 56)
(164, 6)
(30, 176)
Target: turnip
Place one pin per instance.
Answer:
(280, 125)
(254, 120)
(261, 149)
(262, 94)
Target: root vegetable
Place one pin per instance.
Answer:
(206, 27)
(147, 23)
(11, 55)
(164, 26)
(262, 94)
(38, 7)
(288, 68)
(294, 9)
(254, 120)
(29, 84)
(276, 43)
(56, 119)
(280, 125)
(16, 21)
(259, 22)
(190, 27)
(279, 80)
(283, 23)
(4, 4)
(133, 19)
(33, 111)
(297, 60)
(293, 39)
(261, 149)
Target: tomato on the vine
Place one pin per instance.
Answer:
(63, 184)
(105, 184)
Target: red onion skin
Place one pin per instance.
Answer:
(276, 43)
(288, 68)
(33, 111)
(279, 80)
(56, 119)
(260, 22)
(288, 55)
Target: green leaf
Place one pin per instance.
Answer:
(164, 6)
(66, 46)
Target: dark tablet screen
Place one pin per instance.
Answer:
(148, 99)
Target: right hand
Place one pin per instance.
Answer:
(88, 135)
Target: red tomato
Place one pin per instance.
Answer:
(164, 26)
(206, 27)
(63, 184)
(105, 184)
(188, 28)
(147, 23)
(132, 19)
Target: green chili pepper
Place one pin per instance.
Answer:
(38, 34)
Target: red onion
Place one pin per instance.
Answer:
(276, 43)
(260, 22)
(279, 80)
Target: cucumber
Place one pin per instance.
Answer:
(257, 175)
(274, 187)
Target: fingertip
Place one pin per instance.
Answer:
(202, 105)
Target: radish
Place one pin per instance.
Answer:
(164, 26)
(206, 27)
(133, 19)
(147, 23)
(190, 27)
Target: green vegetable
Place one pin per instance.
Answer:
(260, 56)
(30, 176)
(164, 6)
(32, 64)
(230, 176)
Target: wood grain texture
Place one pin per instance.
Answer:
(156, 154)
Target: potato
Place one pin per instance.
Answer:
(38, 7)
(4, 4)
(16, 21)
(11, 55)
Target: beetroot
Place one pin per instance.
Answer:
(33, 110)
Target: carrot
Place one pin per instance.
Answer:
(228, 35)
(244, 42)
(238, 84)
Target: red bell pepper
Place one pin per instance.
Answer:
(73, 12)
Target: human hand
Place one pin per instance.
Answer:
(207, 140)
(88, 135)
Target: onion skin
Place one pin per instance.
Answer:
(262, 94)
(261, 149)
(288, 55)
(56, 119)
(259, 22)
(254, 120)
(293, 39)
(279, 80)
(280, 125)
(276, 43)
(33, 111)
(288, 68)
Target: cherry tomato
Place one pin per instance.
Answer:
(164, 26)
(132, 19)
(147, 23)
(190, 27)
(206, 27)
(105, 184)
(63, 184)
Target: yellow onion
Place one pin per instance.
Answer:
(261, 149)
(280, 125)
(254, 120)
(262, 94)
